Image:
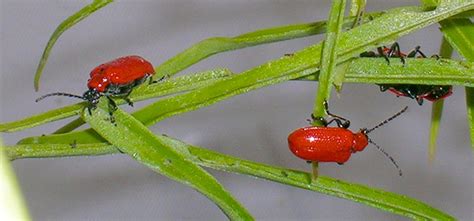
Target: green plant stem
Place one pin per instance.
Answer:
(376, 198)
(329, 57)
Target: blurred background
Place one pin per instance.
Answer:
(252, 126)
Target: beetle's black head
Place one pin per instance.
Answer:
(92, 96)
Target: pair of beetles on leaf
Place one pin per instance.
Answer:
(117, 78)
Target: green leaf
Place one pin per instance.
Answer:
(373, 197)
(416, 71)
(164, 88)
(65, 25)
(134, 139)
(329, 57)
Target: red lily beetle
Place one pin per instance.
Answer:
(116, 78)
(333, 144)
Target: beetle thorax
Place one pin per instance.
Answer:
(360, 141)
(98, 83)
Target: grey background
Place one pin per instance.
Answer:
(253, 126)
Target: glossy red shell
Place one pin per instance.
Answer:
(120, 71)
(326, 144)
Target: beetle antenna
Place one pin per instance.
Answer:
(59, 94)
(386, 154)
(366, 131)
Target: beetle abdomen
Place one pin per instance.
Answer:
(322, 144)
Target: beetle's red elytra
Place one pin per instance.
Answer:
(333, 144)
(326, 144)
(120, 71)
(116, 78)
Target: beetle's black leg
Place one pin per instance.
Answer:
(346, 123)
(368, 54)
(112, 104)
(382, 53)
(395, 49)
(129, 102)
(383, 87)
(73, 144)
(156, 81)
(340, 123)
(419, 99)
(319, 119)
(127, 99)
(112, 108)
(150, 80)
(415, 51)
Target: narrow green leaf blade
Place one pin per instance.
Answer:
(376, 198)
(65, 25)
(470, 112)
(446, 51)
(436, 113)
(416, 71)
(134, 139)
(329, 57)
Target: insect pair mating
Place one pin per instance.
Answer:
(413, 91)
